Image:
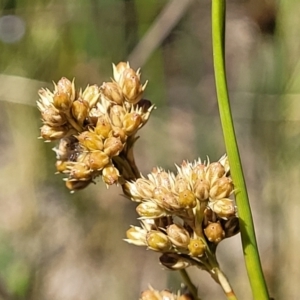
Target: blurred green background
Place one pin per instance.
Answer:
(62, 246)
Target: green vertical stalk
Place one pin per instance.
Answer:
(251, 255)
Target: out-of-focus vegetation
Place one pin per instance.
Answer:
(57, 245)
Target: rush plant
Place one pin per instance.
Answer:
(183, 215)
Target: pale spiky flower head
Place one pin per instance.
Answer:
(175, 193)
(190, 210)
(99, 124)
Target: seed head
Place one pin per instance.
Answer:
(150, 210)
(67, 87)
(103, 127)
(214, 171)
(50, 133)
(214, 232)
(136, 235)
(202, 189)
(224, 208)
(90, 140)
(53, 117)
(187, 199)
(131, 123)
(112, 92)
(119, 69)
(110, 174)
(91, 95)
(80, 110)
(158, 241)
(75, 185)
(196, 247)
(178, 236)
(222, 188)
(98, 160)
(112, 146)
(80, 171)
(62, 101)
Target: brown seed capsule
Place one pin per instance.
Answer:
(65, 86)
(131, 86)
(222, 188)
(90, 140)
(214, 171)
(98, 160)
(74, 185)
(54, 133)
(224, 208)
(214, 232)
(119, 69)
(178, 236)
(159, 194)
(52, 117)
(144, 104)
(112, 92)
(201, 189)
(131, 123)
(120, 133)
(196, 247)
(103, 127)
(91, 95)
(113, 146)
(187, 199)
(168, 201)
(137, 236)
(145, 188)
(198, 172)
(117, 114)
(80, 110)
(150, 210)
(62, 101)
(110, 175)
(158, 241)
(173, 261)
(80, 171)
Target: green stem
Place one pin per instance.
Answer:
(251, 255)
(187, 281)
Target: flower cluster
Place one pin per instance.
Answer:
(184, 216)
(95, 128)
(152, 294)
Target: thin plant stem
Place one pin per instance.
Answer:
(224, 283)
(251, 254)
(187, 281)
